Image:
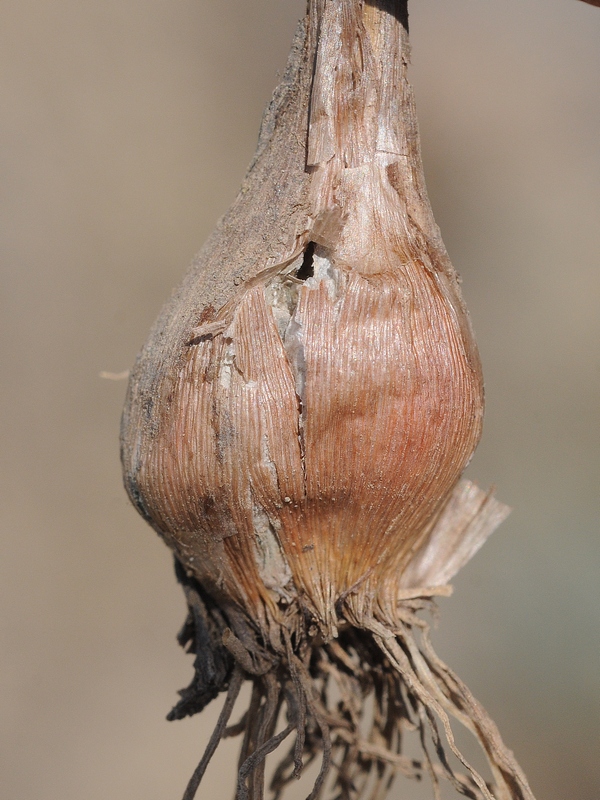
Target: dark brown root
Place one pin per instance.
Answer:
(351, 701)
(235, 685)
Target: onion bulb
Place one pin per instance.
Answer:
(297, 426)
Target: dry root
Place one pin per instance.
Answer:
(351, 701)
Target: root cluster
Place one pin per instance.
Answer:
(350, 701)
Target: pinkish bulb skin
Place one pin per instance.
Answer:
(301, 440)
(294, 465)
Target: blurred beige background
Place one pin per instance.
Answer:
(126, 130)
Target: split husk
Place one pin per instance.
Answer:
(296, 428)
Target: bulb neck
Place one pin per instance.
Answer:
(361, 108)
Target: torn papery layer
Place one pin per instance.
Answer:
(469, 517)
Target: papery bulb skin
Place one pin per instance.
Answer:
(310, 397)
(296, 427)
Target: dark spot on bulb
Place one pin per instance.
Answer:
(307, 268)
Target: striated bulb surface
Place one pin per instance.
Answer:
(297, 439)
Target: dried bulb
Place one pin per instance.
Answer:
(315, 424)
(300, 417)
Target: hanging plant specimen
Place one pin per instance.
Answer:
(296, 429)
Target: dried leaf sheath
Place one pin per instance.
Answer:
(299, 419)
